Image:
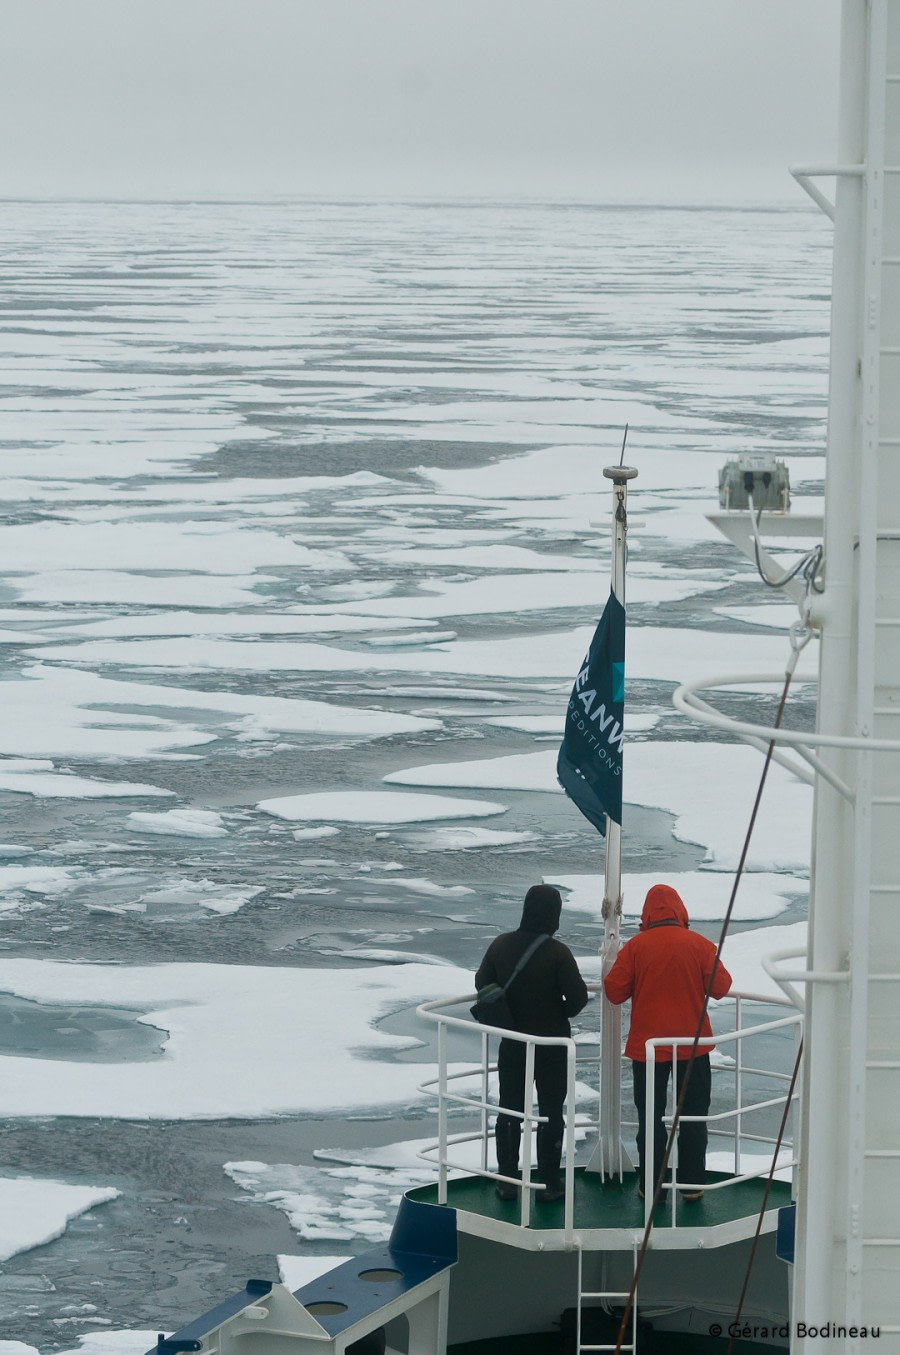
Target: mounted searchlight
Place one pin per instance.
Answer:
(758, 478)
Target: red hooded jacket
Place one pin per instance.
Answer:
(665, 971)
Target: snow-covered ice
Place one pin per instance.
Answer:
(229, 1039)
(377, 807)
(34, 1210)
(705, 893)
(180, 823)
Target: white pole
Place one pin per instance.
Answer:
(611, 1158)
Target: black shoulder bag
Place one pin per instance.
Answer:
(491, 1007)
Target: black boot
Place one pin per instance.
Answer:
(549, 1160)
(507, 1135)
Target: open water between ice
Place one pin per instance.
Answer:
(304, 535)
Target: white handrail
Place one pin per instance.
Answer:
(438, 1011)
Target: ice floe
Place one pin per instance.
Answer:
(708, 787)
(180, 823)
(297, 1271)
(762, 894)
(200, 547)
(117, 1342)
(376, 807)
(60, 712)
(463, 839)
(197, 894)
(49, 880)
(28, 776)
(655, 653)
(232, 1047)
(34, 1211)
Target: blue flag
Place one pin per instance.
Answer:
(589, 766)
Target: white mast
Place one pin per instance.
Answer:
(611, 1158)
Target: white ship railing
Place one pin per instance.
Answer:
(466, 1088)
(717, 1122)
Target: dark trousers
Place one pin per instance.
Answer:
(550, 1081)
(692, 1138)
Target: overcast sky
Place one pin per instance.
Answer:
(622, 100)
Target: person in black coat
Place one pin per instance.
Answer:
(545, 994)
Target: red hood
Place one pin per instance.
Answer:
(663, 904)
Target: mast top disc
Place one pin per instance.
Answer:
(619, 473)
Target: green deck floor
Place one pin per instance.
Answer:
(609, 1204)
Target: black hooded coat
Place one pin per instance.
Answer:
(550, 989)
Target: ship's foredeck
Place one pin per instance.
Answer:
(610, 1214)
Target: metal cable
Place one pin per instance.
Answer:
(762, 1209)
(809, 565)
(645, 1241)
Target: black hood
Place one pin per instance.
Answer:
(541, 910)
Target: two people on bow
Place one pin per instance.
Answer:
(666, 970)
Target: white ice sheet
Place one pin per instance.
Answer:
(377, 807)
(34, 1211)
(232, 1048)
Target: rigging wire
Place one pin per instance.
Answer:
(765, 1200)
(692, 1057)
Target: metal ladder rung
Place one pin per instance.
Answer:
(605, 1295)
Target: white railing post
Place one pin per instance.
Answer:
(738, 1083)
(528, 1142)
(442, 1112)
(673, 1155)
(569, 1219)
(485, 1090)
(649, 1120)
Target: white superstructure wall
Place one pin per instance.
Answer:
(848, 1245)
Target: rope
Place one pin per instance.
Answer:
(765, 1200)
(796, 646)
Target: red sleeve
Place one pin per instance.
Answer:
(722, 981)
(619, 982)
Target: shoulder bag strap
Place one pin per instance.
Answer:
(539, 941)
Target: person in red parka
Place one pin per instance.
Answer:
(666, 970)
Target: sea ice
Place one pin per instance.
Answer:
(59, 712)
(297, 1271)
(377, 807)
(180, 823)
(462, 839)
(36, 879)
(555, 724)
(164, 588)
(29, 777)
(429, 887)
(34, 1211)
(198, 547)
(705, 893)
(655, 653)
(232, 1048)
(216, 898)
(114, 1343)
(744, 952)
(695, 782)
